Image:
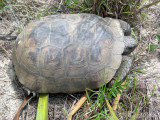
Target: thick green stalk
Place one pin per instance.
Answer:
(42, 111)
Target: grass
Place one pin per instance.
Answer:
(99, 103)
(3, 6)
(122, 9)
(153, 46)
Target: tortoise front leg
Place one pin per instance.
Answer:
(125, 67)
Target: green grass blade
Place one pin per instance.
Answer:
(7, 6)
(135, 115)
(133, 33)
(152, 47)
(42, 111)
(111, 110)
(151, 94)
(68, 2)
(158, 37)
(136, 111)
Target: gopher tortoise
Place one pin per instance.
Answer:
(68, 53)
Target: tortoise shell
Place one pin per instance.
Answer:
(68, 53)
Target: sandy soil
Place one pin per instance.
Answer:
(12, 94)
(150, 61)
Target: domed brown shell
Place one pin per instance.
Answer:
(68, 53)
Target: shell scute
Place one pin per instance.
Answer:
(75, 56)
(98, 55)
(85, 33)
(38, 36)
(51, 61)
(18, 49)
(77, 72)
(114, 64)
(92, 80)
(30, 59)
(59, 35)
(51, 58)
(118, 48)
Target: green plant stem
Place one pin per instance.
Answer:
(42, 111)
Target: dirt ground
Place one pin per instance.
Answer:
(150, 61)
(12, 94)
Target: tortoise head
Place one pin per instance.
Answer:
(129, 42)
(130, 45)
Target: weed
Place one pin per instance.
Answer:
(153, 46)
(136, 110)
(133, 33)
(158, 38)
(80, 7)
(112, 8)
(8, 6)
(2, 4)
(99, 105)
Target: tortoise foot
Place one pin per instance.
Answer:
(30, 92)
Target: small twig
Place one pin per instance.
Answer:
(59, 7)
(113, 116)
(7, 37)
(146, 6)
(4, 49)
(26, 100)
(77, 106)
(73, 96)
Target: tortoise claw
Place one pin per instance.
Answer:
(29, 92)
(34, 94)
